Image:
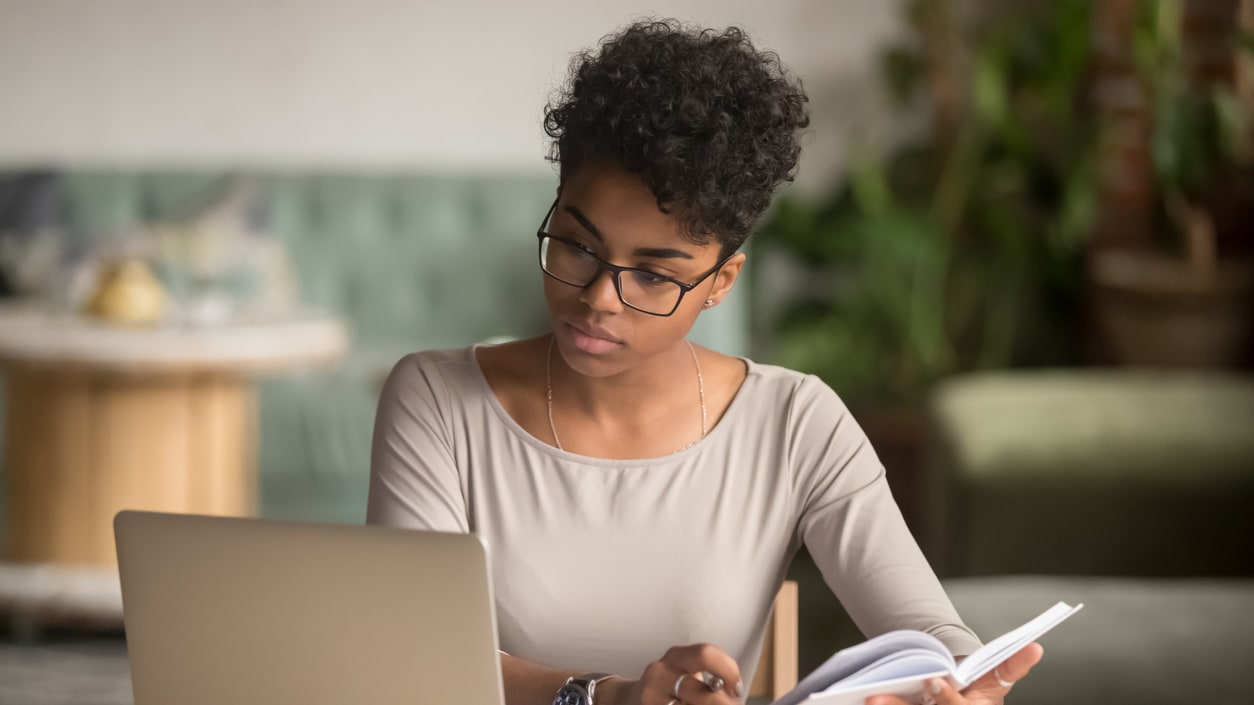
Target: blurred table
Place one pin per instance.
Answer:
(101, 418)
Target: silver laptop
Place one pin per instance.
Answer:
(251, 611)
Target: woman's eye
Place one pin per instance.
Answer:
(583, 248)
(649, 278)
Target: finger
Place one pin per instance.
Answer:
(693, 691)
(1018, 665)
(1012, 670)
(663, 682)
(696, 658)
(885, 700)
(658, 683)
(711, 680)
(944, 693)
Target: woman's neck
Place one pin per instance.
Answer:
(661, 380)
(648, 412)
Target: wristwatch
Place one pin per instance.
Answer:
(579, 691)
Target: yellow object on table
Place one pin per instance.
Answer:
(129, 294)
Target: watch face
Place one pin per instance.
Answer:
(571, 694)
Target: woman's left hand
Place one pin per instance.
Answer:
(985, 691)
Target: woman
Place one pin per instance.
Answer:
(643, 496)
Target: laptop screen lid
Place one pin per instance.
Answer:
(242, 611)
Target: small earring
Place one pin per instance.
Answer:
(709, 303)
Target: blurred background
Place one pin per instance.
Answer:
(1019, 247)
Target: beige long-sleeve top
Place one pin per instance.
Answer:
(601, 565)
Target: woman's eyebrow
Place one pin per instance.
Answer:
(662, 253)
(583, 220)
(653, 252)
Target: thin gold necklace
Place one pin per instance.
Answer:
(548, 383)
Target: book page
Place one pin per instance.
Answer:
(987, 657)
(900, 664)
(909, 688)
(856, 658)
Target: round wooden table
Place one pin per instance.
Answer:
(101, 418)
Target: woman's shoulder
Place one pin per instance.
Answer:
(510, 358)
(511, 365)
(799, 394)
(451, 378)
(514, 358)
(435, 362)
(784, 379)
(442, 374)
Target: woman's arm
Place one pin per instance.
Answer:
(858, 538)
(854, 530)
(527, 683)
(414, 480)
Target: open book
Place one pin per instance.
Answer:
(901, 662)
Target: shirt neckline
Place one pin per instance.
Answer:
(733, 408)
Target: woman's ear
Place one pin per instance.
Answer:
(725, 279)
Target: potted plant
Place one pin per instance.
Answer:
(1182, 294)
(957, 250)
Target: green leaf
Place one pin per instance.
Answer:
(989, 86)
(902, 70)
(870, 190)
(1244, 41)
(1232, 121)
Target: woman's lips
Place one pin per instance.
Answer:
(592, 341)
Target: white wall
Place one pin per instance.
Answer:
(363, 82)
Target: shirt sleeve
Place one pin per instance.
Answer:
(414, 479)
(854, 530)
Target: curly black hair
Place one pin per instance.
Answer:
(709, 122)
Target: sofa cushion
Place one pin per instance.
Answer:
(1136, 642)
(1103, 472)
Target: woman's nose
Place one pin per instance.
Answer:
(600, 294)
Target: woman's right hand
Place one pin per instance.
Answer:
(657, 684)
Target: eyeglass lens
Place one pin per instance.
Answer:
(638, 289)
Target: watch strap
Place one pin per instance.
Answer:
(588, 683)
(593, 680)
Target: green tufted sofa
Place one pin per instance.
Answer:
(409, 260)
(1094, 472)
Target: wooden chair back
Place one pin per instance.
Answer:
(777, 666)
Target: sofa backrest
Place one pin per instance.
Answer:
(1093, 472)
(411, 260)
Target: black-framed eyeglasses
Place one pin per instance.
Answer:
(571, 263)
